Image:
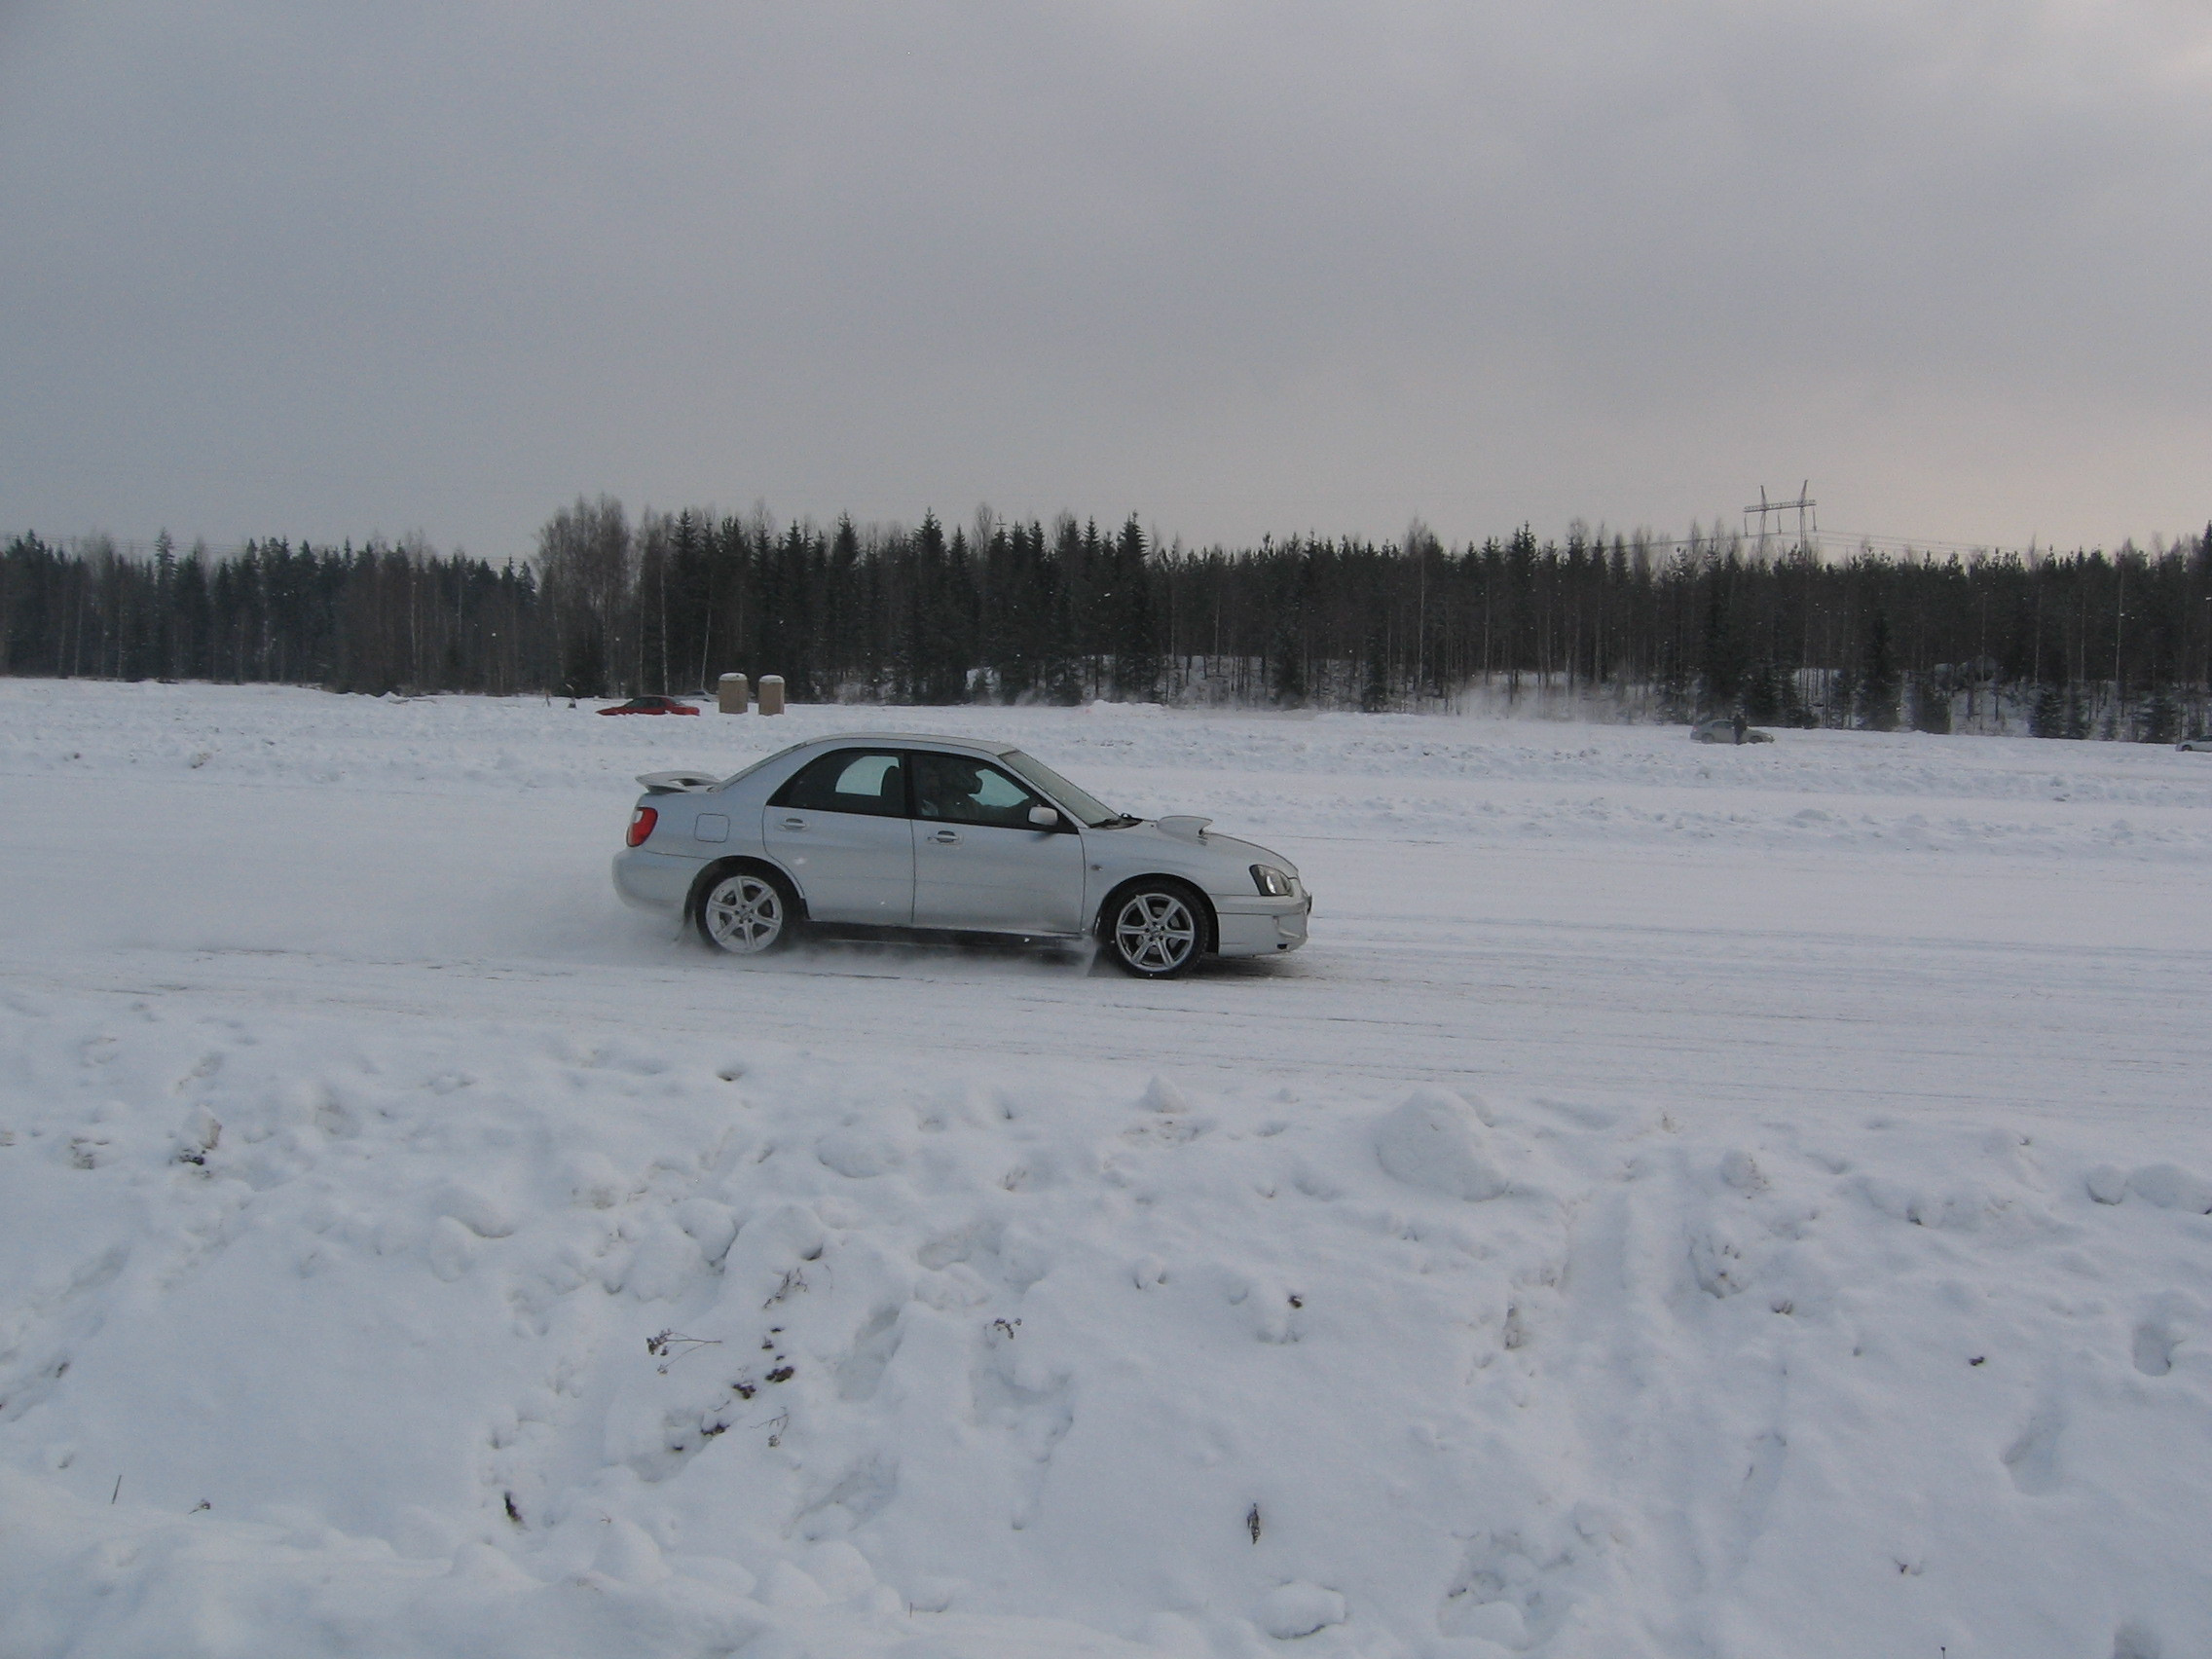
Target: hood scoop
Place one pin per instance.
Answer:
(1185, 828)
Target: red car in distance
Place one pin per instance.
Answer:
(652, 706)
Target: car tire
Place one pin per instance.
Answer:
(744, 910)
(1156, 929)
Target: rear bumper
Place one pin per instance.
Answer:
(1261, 927)
(653, 881)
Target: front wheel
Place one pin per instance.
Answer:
(746, 913)
(1156, 930)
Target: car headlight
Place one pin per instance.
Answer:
(1272, 882)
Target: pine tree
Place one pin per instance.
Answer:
(1878, 677)
(1135, 646)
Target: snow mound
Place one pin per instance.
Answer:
(2165, 1185)
(1437, 1141)
(1293, 1610)
(2171, 1187)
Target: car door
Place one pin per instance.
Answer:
(839, 826)
(978, 861)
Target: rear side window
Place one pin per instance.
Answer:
(869, 781)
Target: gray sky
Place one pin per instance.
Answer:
(302, 268)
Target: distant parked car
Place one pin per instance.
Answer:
(2195, 745)
(652, 706)
(1727, 731)
(886, 831)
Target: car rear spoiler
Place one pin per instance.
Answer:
(676, 783)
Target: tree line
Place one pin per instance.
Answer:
(2077, 644)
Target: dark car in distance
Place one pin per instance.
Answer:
(652, 706)
(1728, 729)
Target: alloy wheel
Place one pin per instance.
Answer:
(743, 914)
(1156, 932)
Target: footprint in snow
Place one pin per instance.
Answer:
(859, 1373)
(2032, 1460)
(2154, 1347)
(2161, 1331)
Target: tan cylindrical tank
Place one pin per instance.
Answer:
(771, 693)
(731, 695)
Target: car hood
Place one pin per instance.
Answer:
(1226, 847)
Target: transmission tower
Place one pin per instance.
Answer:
(1808, 524)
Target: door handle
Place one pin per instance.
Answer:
(794, 824)
(946, 838)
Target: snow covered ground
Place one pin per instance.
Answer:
(1684, 1202)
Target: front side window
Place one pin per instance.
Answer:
(848, 780)
(953, 789)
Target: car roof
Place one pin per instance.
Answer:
(902, 739)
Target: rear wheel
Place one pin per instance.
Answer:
(1155, 930)
(745, 912)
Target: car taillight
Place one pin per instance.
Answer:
(641, 824)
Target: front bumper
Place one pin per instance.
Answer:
(1261, 927)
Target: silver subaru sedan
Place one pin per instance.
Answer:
(886, 830)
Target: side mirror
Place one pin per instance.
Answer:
(1044, 818)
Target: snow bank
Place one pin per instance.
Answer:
(324, 1338)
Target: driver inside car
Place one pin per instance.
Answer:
(961, 792)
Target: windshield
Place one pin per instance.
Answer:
(1093, 812)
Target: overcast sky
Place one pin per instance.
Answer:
(332, 269)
